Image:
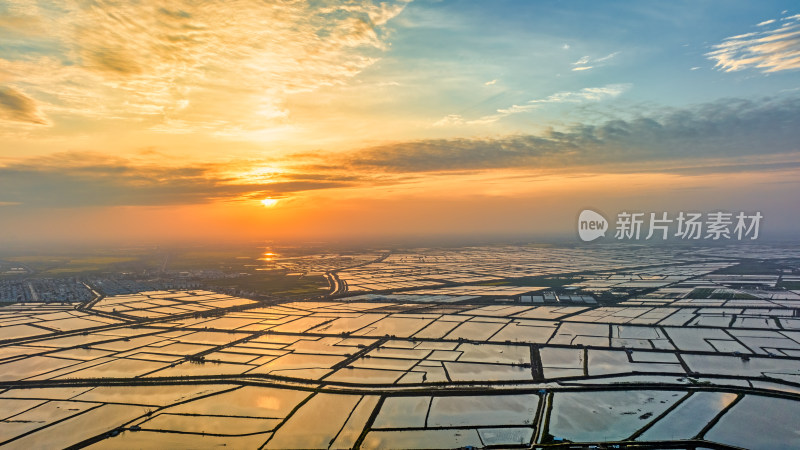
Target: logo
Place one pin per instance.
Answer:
(634, 226)
(591, 225)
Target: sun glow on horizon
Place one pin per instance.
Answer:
(269, 202)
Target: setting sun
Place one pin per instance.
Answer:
(269, 202)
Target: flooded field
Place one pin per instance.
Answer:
(200, 369)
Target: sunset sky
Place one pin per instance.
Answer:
(135, 122)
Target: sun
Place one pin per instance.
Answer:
(269, 202)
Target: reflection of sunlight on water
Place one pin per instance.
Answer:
(725, 400)
(268, 256)
(269, 402)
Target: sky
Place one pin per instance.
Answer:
(334, 120)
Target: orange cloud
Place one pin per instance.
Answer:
(175, 66)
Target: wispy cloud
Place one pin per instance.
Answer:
(15, 106)
(586, 94)
(582, 61)
(174, 63)
(77, 179)
(587, 62)
(775, 49)
(730, 135)
(722, 130)
(450, 120)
